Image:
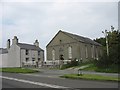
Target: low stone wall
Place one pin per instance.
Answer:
(55, 63)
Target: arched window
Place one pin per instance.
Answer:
(86, 52)
(96, 53)
(70, 52)
(53, 54)
(92, 51)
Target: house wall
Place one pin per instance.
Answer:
(14, 56)
(65, 42)
(42, 56)
(4, 60)
(74, 46)
(32, 54)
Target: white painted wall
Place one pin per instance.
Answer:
(4, 60)
(14, 56)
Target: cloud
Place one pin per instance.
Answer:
(42, 20)
(59, 1)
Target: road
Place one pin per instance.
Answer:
(48, 80)
(72, 71)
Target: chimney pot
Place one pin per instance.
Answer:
(36, 43)
(15, 40)
(8, 43)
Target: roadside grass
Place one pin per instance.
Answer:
(17, 70)
(110, 69)
(75, 65)
(90, 77)
(79, 64)
(92, 67)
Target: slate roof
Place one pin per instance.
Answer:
(78, 38)
(81, 39)
(29, 46)
(3, 50)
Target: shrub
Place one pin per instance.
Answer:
(70, 64)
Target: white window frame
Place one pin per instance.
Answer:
(96, 52)
(53, 54)
(70, 52)
(92, 51)
(86, 51)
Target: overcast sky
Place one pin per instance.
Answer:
(30, 20)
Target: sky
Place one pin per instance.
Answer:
(42, 19)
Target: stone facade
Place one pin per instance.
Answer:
(69, 46)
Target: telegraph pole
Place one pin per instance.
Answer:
(106, 34)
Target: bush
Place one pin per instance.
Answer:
(70, 64)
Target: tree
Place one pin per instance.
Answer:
(114, 42)
(101, 41)
(114, 48)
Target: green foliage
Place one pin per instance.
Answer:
(91, 77)
(70, 64)
(109, 69)
(114, 48)
(101, 41)
(18, 70)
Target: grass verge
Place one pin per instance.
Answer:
(111, 69)
(91, 77)
(17, 70)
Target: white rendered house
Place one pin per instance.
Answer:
(21, 54)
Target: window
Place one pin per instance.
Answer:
(27, 52)
(27, 59)
(92, 51)
(38, 59)
(96, 53)
(86, 52)
(33, 59)
(38, 53)
(60, 41)
(70, 52)
(53, 54)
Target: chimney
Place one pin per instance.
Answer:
(8, 44)
(36, 43)
(15, 40)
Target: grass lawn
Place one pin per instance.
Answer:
(112, 69)
(18, 70)
(90, 77)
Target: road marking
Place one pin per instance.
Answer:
(32, 82)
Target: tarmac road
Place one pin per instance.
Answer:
(39, 80)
